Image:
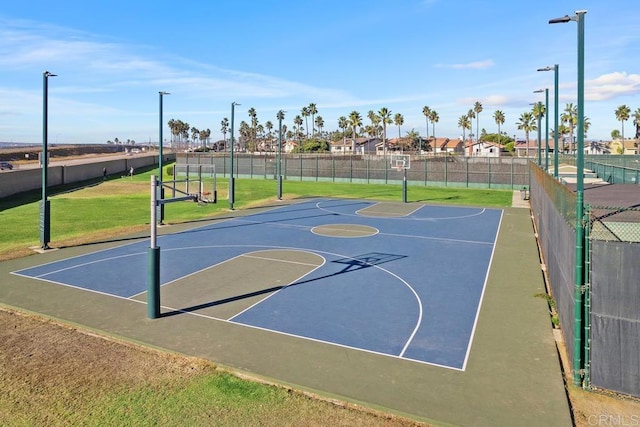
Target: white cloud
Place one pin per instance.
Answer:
(476, 65)
(612, 85)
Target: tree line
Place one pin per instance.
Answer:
(307, 129)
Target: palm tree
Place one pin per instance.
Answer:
(622, 114)
(570, 117)
(465, 123)
(471, 115)
(305, 113)
(385, 118)
(297, 121)
(433, 116)
(427, 113)
(586, 124)
(320, 123)
(354, 120)
(375, 121)
(224, 128)
(343, 124)
(398, 120)
(477, 108)
(172, 126)
(498, 116)
(269, 126)
(636, 122)
(313, 110)
(413, 136)
(527, 123)
(253, 129)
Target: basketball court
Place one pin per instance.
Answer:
(411, 308)
(403, 280)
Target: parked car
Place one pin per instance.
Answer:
(6, 165)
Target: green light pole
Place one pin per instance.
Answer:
(555, 69)
(578, 362)
(160, 157)
(280, 117)
(45, 208)
(232, 187)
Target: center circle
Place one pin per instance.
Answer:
(344, 230)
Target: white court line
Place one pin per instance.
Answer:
(85, 264)
(443, 239)
(74, 286)
(280, 260)
(482, 211)
(379, 203)
(324, 261)
(393, 356)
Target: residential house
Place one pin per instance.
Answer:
(363, 146)
(446, 145)
(596, 147)
(289, 146)
(627, 146)
(485, 149)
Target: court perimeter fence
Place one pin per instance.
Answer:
(445, 170)
(608, 319)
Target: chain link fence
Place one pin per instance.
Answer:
(614, 224)
(439, 170)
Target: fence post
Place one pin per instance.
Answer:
(446, 169)
(466, 168)
(351, 168)
(425, 163)
(587, 299)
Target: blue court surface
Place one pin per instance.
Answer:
(402, 280)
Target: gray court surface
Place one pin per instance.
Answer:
(512, 376)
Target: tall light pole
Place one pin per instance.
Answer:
(578, 362)
(280, 117)
(45, 209)
(232, 188)
(555, 68)
(160, 157)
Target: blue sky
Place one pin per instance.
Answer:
(113, 56)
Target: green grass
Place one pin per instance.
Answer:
(102, 210)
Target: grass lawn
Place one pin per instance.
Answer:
(116, 207)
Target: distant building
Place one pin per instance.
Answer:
(627, 146)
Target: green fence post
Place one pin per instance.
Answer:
(424, 167)
(351, 168)
(446, 169)
(466, 170)
(333, 169)
(587, 300)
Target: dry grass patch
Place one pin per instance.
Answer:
(56, 375)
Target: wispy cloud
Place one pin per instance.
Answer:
(612, 85)
(477, 65)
